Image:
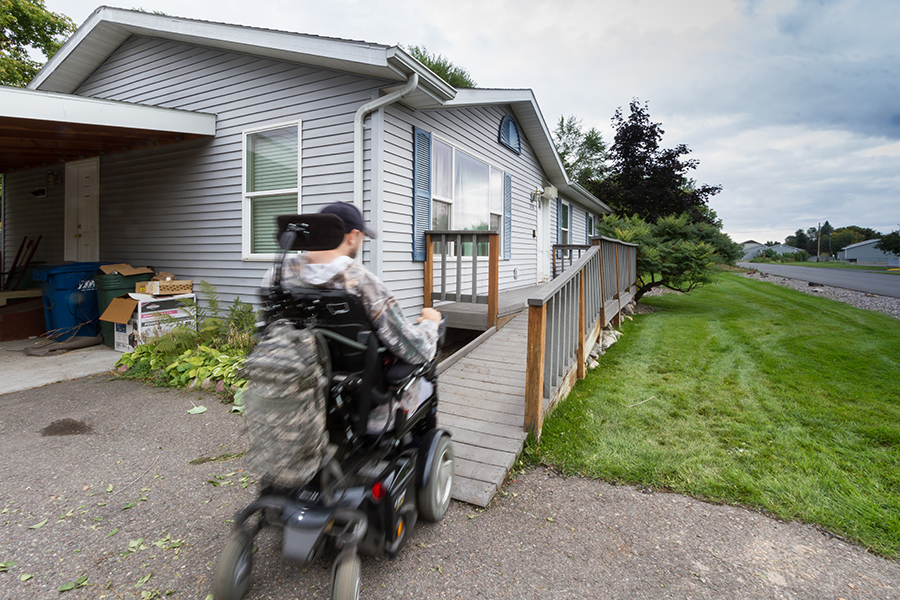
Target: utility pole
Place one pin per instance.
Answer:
(819, 241)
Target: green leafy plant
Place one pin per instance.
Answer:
(208, 356)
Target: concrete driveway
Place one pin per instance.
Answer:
(21, 372)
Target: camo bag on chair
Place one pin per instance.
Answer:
(285, 405)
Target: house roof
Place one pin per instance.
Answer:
(44, 128)
(107, 28)
(860, 244)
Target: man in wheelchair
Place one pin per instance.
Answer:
(358, 479)
(411, 343)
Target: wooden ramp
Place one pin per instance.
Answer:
(482, 404)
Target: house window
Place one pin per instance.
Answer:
(455, 190)
(589, 228)
(467, 194)
(509, 134)
(271, 186)
(564, 227)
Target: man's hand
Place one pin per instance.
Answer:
(430, 314)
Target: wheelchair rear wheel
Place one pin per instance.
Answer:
(434, 498)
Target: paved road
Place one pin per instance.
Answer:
(873, 282)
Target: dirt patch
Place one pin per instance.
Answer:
(67, 427)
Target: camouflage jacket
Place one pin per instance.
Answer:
(410, 342)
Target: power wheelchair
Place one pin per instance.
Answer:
(368, 497)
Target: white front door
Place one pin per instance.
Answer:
(544, 245)
(82, 227)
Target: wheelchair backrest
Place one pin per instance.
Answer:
(335, 311)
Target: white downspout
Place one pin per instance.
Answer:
(358, 130)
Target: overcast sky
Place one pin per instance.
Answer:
(792, 106)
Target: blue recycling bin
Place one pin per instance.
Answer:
(70, 299)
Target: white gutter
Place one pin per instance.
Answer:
(358, 130)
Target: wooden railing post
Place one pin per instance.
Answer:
(617, 319)
(534, 377)
(429, 270)
(493, 280)
(579, 354)
(602, 287)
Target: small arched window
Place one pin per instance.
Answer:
(509, 134)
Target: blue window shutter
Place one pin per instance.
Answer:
(507, 216)
(421, 191)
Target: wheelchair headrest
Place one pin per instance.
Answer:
(310, 232)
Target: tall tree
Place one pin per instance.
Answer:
(800, 239)
(442, 67)
(890, 243)
(647, 180)
(583, 153)
(28, 25)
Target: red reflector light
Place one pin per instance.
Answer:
(378, 491)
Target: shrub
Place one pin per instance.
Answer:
(209, 356)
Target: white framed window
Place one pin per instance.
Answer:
(565, 222)
(270, 186)
(467, 195)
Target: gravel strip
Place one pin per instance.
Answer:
(883, 304)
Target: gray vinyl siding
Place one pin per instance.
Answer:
(33, 217)
(178, 208)
(473, 130)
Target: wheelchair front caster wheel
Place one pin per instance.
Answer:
(232, 577)
(345, 584)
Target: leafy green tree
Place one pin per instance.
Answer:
(800, 239)
(442, 67)
(25, 25)
(647, 180)
(583, 154)
(673, 252)
(843, 237)
(890, 243)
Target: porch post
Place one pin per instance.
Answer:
(429, 270)
(534, 377)
(579, 354)
(493, 280)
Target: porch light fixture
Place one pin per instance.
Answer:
(52, 178)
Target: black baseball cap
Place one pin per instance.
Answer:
(350, 215)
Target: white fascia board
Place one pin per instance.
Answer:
(405, 65)
(20, 103)
(588, 199)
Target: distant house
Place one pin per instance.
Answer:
(866, 252)
(174, 143)
(751, 251)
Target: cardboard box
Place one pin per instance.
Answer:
(124, 269)
(138, 317)
(164, 288)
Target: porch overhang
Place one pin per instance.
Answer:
(42, 128)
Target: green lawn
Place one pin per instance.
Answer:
(748, 393)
